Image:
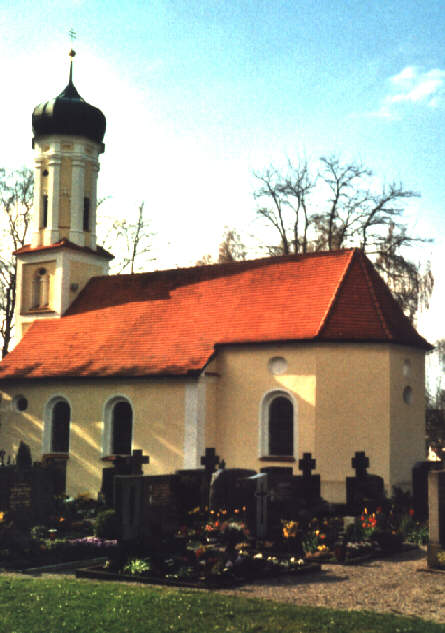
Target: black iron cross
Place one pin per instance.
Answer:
(360, 463)
(210, 460)
(133, 462)
(306, 465)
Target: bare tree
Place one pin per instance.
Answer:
(130, 242)
(338, 207)
(16, 199)
(231, 249)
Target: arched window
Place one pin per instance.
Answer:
(56, 429)
(281, 414)
(278, 425)
(122, 428)
(40, 289)
(60, 427)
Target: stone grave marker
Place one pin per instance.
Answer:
(420, 486)
(209, 460)
(192, 484)
(226, 489)
(122, 465)
(364, 488)
(161, 507)
(261, 497)
(436, 500)
(307, 484)
(128, 497)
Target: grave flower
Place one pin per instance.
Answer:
(289, 529)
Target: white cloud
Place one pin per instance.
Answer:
(412, 85)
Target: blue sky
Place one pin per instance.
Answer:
(198, 95)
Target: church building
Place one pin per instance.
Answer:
(263, 360)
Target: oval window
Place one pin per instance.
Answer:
(20, 403)
(407, 395)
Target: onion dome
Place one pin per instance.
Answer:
(69, 114)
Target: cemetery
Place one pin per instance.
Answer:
(210, 527)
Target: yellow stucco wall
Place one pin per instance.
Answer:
(80, 273)
(159, 435)
(407, 437)
(244, 379)
(353, 390)
(347, 397)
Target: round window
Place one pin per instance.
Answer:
(20, 403)
(277, 365)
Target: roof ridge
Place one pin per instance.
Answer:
(234, 264)
(376, 302)
(332, 301)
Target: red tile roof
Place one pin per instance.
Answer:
(28, 249)
(169, 322)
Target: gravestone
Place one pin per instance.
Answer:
(282, 500)
(226, 489)
(192, 484)
(364, 489)
(209, 460)
(420, 486)
(436, 496)
(128, 497)
(307, 484)
(122, 465)
(257, 505)
(161, 507)
(20, 497)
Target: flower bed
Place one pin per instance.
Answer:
(248, 568)
(30, 553)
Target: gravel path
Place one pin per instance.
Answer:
(400, 585)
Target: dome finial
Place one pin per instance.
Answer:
(73, 35)
(72, 54)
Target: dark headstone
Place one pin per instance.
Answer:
(209, 460)
(364, 489)
(192, 484)
(128, 497)
(161, 511)
(24, 459)
(226, 489)
(122, 466)
(307, 465)
(307, 486)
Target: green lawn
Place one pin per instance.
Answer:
(42, 605)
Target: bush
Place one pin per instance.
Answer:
(106, 525)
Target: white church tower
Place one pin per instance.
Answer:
(63, 255)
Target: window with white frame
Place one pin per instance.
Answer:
(56, 432)
(118, 427)
(278, 425)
